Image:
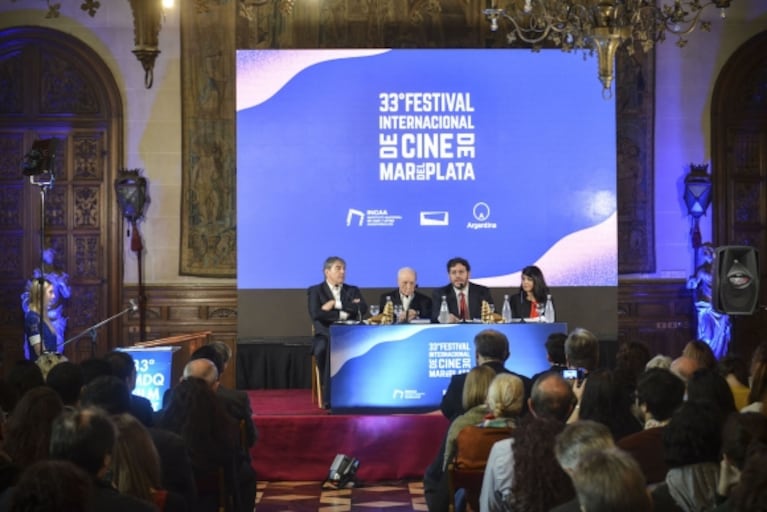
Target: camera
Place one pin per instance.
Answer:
(573, 374)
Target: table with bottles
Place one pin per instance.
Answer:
(407, 367)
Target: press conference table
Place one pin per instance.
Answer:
(407, 367)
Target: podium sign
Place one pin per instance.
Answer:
(153, 372)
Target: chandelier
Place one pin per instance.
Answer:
(599, 26)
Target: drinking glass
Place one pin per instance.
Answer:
(397, 313)
(539, 308)
(374, 309)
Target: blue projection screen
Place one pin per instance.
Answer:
(392, 158)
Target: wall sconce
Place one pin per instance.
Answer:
(147, 19)
(697, 198)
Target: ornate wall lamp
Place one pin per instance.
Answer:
(147, 20)
(697, 198)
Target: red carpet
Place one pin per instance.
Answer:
(298, 441)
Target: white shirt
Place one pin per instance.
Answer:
(499, 476)
(406, 300)
(335, 289)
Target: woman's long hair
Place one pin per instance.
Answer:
(758, 391)
(28, 429)
(539, 482)
(36, 294)
(540, 288)
(135, 462)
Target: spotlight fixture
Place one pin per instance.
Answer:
(343, 471)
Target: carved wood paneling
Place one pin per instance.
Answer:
(183, 309)
(658, 313)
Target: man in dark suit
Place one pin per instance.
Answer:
(414, 304)
(464, 299)
(331, 301)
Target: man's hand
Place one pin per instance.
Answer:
(329, 305)
(411, 314)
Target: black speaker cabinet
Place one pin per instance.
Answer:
(735, 286)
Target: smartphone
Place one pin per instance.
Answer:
(573, 374)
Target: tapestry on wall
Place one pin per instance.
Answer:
(635, 119)
(208, 216)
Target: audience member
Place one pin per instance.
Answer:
(522, 472)
(123, 367)
(94, 367)
(22, 376)
(211, 436)
(331, 301)
(576, 440)
(630, 361)
(415, 305)
(582, 350)
(659, 361)
(610, 480)
(659, 393)
(740, 431)
(532, 293)
(28, 429)
(136, 466)
(66, 379)
(464, 298)
(751, 492)
(684, 367)
(706, 385)
(111, 394)
(691, 443)
(86, 437)
(50, 486)
(758, 392)
(49, 361)
(555, 354)
(237, 405)
(735, 371)
(606, 401)
(474, 403)
(491, 348)
(701, 352)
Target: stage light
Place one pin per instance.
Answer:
(343, 471)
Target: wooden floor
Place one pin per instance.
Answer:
(309, 496)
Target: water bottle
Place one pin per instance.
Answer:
(444, 312)
(506, 311)
(389, 311)
(548, 310)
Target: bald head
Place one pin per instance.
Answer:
(203, 369)
(406, 279)
(552, 397)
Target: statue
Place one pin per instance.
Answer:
(713, 327)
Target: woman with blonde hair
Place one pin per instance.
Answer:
(39, 333)
(136, 466)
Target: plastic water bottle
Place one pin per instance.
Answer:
(444, 312)
(548, 310)
(506, 311)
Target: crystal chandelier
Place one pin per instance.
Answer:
(599, 26)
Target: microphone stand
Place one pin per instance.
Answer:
(92, 329)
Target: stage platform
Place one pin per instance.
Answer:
(298, 441)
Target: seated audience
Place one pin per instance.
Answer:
(609, 481)
(86, 437)
(415, 305)
(94, 367)
(684, 367)
(111, 394)
(659, 361)
(659, 393)
(691, 443)
(740, 432)
(607, 401)
(630, 361)
(706, 385)
(22, 376)
(701, 352)
(51, 485)
(212, 438)
(136, 466)
(522, 472)
(576, 440)
(758, 392)
(474, 402)
(28, 429)
(66, 379)
(751, 492)
(582, 350)
(555, 354)
(735, 371)
(123, 367)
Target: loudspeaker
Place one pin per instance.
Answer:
(735, 280)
